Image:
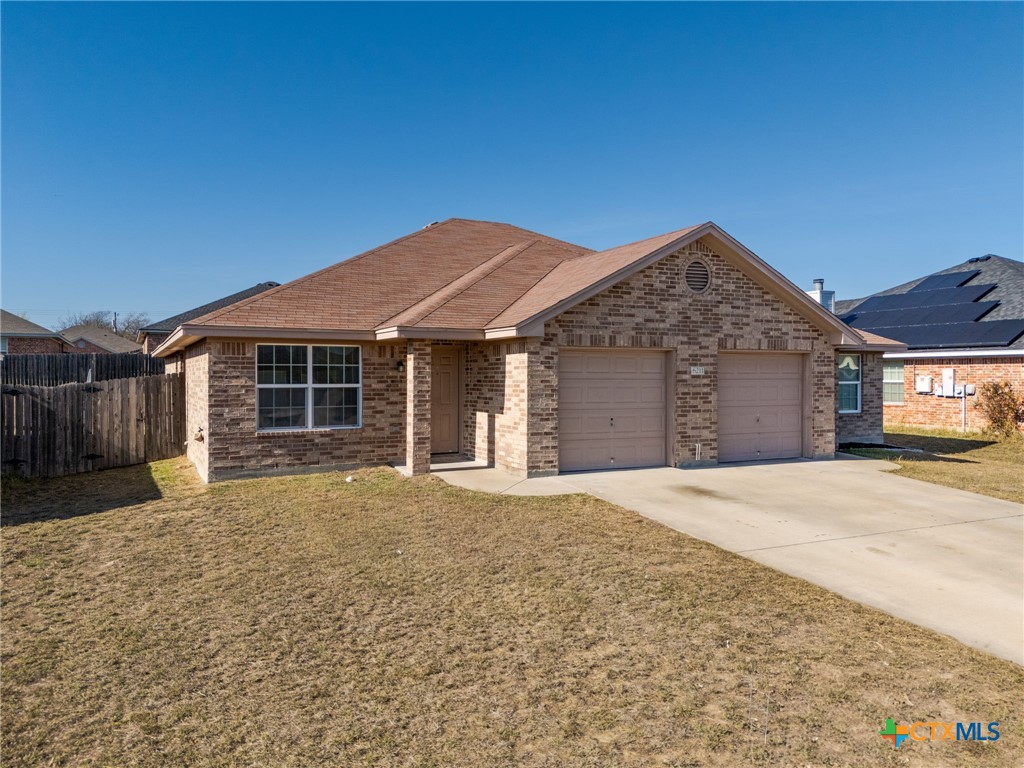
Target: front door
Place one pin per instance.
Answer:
(445, 386)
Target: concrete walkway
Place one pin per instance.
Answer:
(945, 559)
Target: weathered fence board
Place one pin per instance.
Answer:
(71, 428)
(53, 370)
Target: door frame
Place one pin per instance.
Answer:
(459, 386)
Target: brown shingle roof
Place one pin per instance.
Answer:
(457, 274)
(469, 278)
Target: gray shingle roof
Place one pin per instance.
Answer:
(169, 324)
(1007, 275)
(13, 325)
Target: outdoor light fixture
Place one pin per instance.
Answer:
(400, 365)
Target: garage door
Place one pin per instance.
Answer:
(611, 409)
(760, 407)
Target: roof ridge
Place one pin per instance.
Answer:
(517, 298)
(299, 280)
(563, 244)
(459, 285)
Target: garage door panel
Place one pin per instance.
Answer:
(760, 407)
(614, 415)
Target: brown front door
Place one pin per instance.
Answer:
(445, 386)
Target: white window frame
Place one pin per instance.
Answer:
(901, 382)
(859, 383)
(309, 385)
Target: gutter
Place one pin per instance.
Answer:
(962, 353)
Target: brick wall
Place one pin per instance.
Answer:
(196, 363)
(495, 404)
(654, 309)
(236, 449)
(20, 345)
(417, 406)
(152, 341)
(866, 426)
(932, 411)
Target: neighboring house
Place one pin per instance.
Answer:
(963, 326)
(528, 353)
(154, 334)
(92, 338)
(19, 336)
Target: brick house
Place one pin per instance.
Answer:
(97, 340)
(528, 353)
(154, 334)
(19, 336)
(963, 326)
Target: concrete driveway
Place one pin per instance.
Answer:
(945, 559)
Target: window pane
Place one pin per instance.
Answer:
(280, 408)
(336, 407)
(335, 365)
(281, 364)
(849, 368)
(848, 397)
(892, 392)
(892, 371)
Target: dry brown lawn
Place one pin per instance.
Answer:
(152, 621)
(970, 461)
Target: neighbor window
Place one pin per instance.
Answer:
(3, 345)
(848, 374)
(892, 382)
(307, 387)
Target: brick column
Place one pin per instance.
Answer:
(417, 407)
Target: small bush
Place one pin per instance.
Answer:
(1003, 408)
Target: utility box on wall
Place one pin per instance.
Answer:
(923, 385)
(949, 382)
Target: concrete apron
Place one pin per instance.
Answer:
(944, 559)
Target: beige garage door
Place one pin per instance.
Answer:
(760, 407)
(611, 409)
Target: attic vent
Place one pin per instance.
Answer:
(697, 276)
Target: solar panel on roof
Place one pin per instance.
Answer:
(914, 299)
(944, 313)
(987, 333)
(950, 280)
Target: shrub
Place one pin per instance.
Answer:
(1003, 407)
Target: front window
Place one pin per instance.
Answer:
(3, 345)
(301, 386)
(892, 382)
(848, 374)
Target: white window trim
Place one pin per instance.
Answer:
(902, 382)
(859, 383)
(309, 385)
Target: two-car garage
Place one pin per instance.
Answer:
(613, 407)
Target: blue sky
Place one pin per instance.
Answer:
(158, 156)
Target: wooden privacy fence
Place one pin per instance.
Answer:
(51, 431)
(51, 370)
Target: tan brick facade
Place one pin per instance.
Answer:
(866, 426)
(653, 309)
(196, 364)
(948, 412)
(509, 391)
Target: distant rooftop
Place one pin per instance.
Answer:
(168, 325)
(973, 305)
(101, 337)
(14, 325)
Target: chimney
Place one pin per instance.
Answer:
(827, 299)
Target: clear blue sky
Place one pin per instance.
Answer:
(158, 156)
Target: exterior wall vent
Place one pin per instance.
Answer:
(697, 276)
